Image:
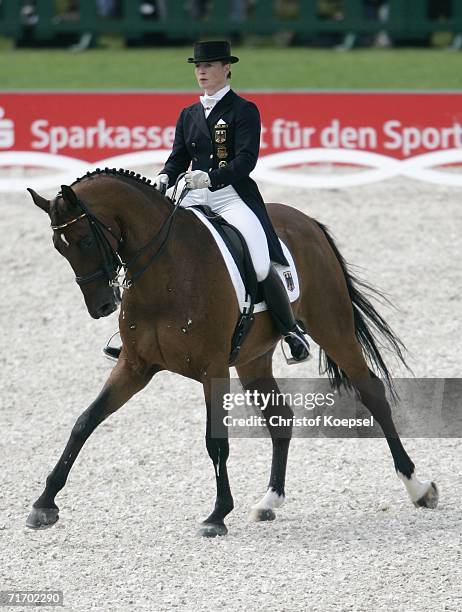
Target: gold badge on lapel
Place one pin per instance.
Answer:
(222, 152)
(220, 136)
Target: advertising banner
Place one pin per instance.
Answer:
(384, 134)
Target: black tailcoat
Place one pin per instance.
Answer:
(226, 146)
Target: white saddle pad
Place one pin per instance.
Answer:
(288, 274)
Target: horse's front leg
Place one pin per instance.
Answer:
(121, 385)
(216, 440)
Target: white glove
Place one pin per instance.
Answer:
(161, 182)
(197, 179)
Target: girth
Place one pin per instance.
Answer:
(239, 250)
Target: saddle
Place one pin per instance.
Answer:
(239, 251)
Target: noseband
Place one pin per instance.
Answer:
(114, 268)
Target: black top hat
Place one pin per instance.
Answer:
(212, 51)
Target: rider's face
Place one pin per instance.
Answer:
(211, 76)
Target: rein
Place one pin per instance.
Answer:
(114, 268)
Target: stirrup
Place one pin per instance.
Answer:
(112, 352)
(290, 360)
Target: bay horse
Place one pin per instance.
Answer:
(180, 311)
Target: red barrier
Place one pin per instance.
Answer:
(93, 126)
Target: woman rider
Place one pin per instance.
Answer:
(220, 135)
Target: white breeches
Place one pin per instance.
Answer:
(226, 203)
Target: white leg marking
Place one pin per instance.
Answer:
(416, 488)
(268, 502)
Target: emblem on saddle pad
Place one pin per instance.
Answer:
(289, 280)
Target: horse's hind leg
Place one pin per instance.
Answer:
(423, 494)
(371, 391)
(258, 376)
(122, 384)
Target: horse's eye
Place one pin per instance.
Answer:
(86, 242)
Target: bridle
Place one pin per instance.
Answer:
(114, 269)
(112, 262)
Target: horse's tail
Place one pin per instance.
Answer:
(366, 319)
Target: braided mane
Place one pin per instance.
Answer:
(121, 173)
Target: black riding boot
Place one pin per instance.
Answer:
(280, 309)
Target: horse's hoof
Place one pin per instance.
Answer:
(262, 514)
(212, 530)
(42, 518)
(430, 499)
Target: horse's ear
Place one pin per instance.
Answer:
(68, 195)
(39, 201)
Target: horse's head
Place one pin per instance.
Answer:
(89, 246)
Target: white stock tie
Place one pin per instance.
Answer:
(208, 102)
